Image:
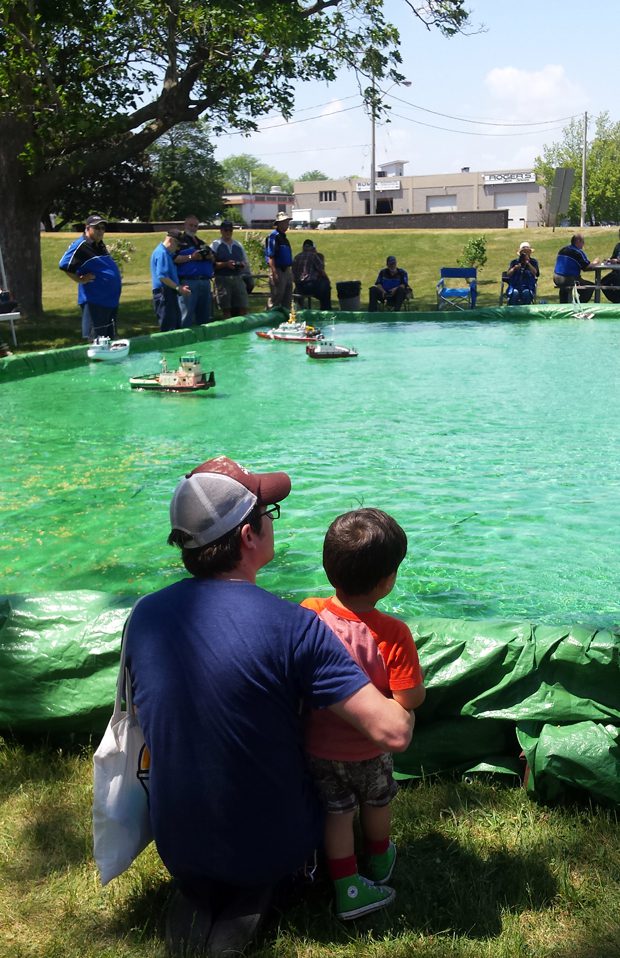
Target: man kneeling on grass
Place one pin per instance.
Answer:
(220, 671)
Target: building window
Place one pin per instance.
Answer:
(327, 196)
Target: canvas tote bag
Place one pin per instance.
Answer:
(121, 823)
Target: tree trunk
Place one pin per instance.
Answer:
(20, 222)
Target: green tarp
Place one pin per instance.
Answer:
(495, 689)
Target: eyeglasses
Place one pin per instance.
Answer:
(273, 512)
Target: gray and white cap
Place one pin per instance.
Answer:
(216, 496)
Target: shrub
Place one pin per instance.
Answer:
(474, 253)
(121, 251)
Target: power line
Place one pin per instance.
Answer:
(446, 129)
(463, 119)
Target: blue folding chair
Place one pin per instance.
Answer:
(457, 297)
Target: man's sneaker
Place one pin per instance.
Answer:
(380, 867)
(355, 896)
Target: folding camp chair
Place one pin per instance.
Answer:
(11, 314)
(457, 297)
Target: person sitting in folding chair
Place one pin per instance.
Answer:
(569, 265)
(522, 276)
(391, 287)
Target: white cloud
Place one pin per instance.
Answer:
(535, 95)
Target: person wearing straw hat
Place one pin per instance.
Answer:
(522, 275)
(279, 258)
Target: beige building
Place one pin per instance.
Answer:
(514, 190)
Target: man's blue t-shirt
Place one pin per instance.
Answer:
(85, 256)
(220, 670)
(571, 260)
(162, 266)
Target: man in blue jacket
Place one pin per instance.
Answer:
(98, 278)
(279, 257)
(390, 287)
(194, 262)
(570, 263)
(165, 282)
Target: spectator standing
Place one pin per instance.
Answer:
(88, 264)
(220, 670)
(231, 264)
(194, 262)
(165, 282)
(391, 286)
(279, 258)
(361, 555)
(522, 274)
(569, 265)
(310, 276)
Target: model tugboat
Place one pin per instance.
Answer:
(188, 378)
(292, 331)
(104, 349)
(326, 349)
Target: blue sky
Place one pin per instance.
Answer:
(533, 63)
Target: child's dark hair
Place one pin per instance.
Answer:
(361, 548)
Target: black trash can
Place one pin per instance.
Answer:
(349, 294)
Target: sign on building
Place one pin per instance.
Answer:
(504, 178)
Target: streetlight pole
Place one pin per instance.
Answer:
(372, 202)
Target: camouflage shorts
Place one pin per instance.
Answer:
(345, 785)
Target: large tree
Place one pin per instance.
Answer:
(602, 169)
(246, 174)
(187, 178)
(86, 84)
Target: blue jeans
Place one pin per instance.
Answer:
(98, 320)
(196, 309)
(520, 297)
(166, 306)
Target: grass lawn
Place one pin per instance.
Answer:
(349, 255)
(482, 873)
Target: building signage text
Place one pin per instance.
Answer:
(509, 177)
(363, 186)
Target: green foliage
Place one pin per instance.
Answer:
(245, 174)
(474, 253)
(121, 251)
(312, 175)
(254, 245)
(187, 179)
(125, 191)
(602, 169)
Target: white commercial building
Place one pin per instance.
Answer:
(516, 191)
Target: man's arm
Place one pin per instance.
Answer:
(410, 698)
(382, 720)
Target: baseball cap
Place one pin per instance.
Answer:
(525, 246)
(390, 261)
(216, 496)
(282, 218)
(227, 225)
(176, 234)
(94, 220)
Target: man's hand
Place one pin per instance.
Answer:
(185, 291)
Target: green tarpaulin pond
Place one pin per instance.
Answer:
(495, 689)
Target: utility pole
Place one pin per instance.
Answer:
(584, 154)
(372, 203)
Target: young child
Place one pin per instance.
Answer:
(361, 555)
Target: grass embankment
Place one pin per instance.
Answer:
(349, 256)
(482, 873)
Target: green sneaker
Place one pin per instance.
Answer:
(355, 896)
(380, 867)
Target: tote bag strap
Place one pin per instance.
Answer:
(123, 682)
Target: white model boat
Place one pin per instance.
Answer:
(326, 349)
(292, 333)
(104, 349)
(188, 378)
